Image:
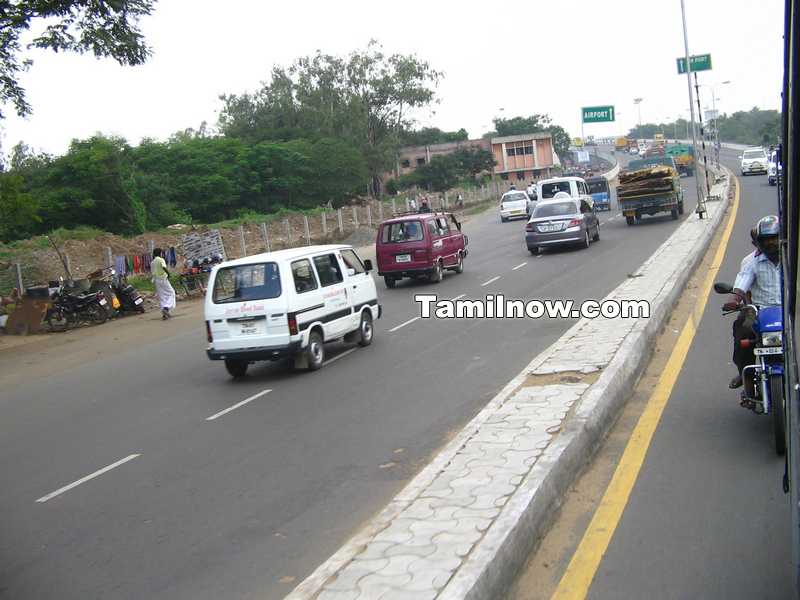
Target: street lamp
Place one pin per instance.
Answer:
(638, 103)
(714, 99)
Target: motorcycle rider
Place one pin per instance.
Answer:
(760, 276)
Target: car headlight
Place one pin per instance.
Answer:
(772, 338)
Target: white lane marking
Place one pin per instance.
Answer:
(74, 484)
(485, 283)
(457, 297)
(338, 356)
(393, 329)
(540, 256)
(237, 405)
(519, 266)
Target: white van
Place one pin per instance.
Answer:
(287, 304)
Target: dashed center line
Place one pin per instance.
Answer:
(485, 283)
(393, 329)
(519, 266)
(238, 404)
(97, 473)
(338, 356)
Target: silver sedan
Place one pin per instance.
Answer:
(562, 221)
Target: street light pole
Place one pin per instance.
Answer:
(701, 201)
(638, 103)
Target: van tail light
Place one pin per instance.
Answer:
(529, 227)
(292, 319)
(208, 333)
(575, 223)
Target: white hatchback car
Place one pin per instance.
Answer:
(288, 304)
(754, 160)
(515, 204)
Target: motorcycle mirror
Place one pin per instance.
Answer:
(723, 288)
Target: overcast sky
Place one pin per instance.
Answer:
(511, 58)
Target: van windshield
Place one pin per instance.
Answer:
(755, 154)
(556, 209)
(401, 231)
(247, 282)
(549, 190)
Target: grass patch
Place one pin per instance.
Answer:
(81, 234)
(143, 283)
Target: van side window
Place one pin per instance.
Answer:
(352, 261)
(303, 274)
(444, 228)
(432, 228)
(328, 269)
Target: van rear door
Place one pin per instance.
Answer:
(248, 307)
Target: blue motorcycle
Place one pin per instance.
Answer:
(766, 374)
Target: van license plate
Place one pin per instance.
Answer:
(249, 327)
(138, 301)
(768, 350)
(403, 258)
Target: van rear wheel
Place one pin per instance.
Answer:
(390, 282)
(315, 351)
(436, 273)
(236, 368)
(365, 330)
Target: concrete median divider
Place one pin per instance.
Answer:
(467, 522)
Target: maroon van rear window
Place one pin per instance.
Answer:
(401, 231)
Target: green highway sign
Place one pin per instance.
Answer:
(598, 114)
(700, 62)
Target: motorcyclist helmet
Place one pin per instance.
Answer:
(767, 231)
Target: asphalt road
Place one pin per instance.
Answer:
(707, 517)
(246, 505)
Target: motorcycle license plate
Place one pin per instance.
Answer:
(138, 301)
(103, 302)
(769, 350)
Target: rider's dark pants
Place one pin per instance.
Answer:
(742, 356)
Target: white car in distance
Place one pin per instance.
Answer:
(754, 160)
(514, 204)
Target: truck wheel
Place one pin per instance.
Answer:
(680, 207)
(630, 220)
(390, 282)
(674, 213)
(236, 368)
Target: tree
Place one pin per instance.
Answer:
(427, 136)
(473, 161)
(364, 98)
(19, 209)
(107, 29)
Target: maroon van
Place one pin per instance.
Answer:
(420, 245)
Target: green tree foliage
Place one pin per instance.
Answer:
(104, 183)
(535, 123)
(754, 127)
(444, 171)
(364, 99)
(19, 209)
(106, 29)
(428, 136)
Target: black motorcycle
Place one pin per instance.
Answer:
(71, 308)
(129, 297)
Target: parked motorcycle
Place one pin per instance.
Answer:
(766, 374)
(129, 297)
(69, 309)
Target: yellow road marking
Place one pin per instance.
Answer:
(581, 570)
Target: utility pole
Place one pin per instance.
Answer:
(638, 103)
(701, 201)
